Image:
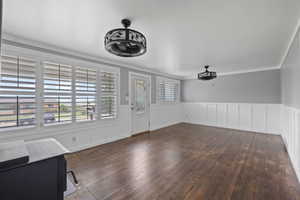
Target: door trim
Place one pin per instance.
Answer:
(131, 74)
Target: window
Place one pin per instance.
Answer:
(57, 93)
(168, 90)
(68, 93)
(140, 96)
(17, 92)
(86, 81)
(108, 95)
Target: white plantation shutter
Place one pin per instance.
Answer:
(171, 91)
(108, 95)
(17, 92)
(168, 90)
(66, 94)
(57, 93)
(86, 82)
(161, 91)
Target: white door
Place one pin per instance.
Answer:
(140, 103)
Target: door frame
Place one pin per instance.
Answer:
(131, 74)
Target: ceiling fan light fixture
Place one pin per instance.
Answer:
(207, 75)
(125, 42)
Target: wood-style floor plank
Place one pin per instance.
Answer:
(187, 162)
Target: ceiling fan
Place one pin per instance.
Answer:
(207, 75)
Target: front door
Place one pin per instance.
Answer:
(140, 103)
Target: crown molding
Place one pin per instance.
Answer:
(261, 69)
(286, 53)
(17, 41)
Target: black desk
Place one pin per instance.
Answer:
(42, 178)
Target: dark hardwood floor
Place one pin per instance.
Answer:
(187, 161)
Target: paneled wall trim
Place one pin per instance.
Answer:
(290, 129)
(262, 118)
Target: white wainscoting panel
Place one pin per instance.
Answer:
(290, 129)
(262, 118)
(192, 112)
(203, 114)
(245, 115)
(211, 114)
(273, 118)
(221, 115)
(233, 116)
(259, 118)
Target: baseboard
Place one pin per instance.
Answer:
(231, 129)
(141, 133)
(90, 146)
(163, 127)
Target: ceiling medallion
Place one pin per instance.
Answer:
(207, 75)
(125, 42)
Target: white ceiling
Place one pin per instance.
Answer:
(182, 35)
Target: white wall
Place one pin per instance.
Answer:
(251, 87)
(290, 129)
(163, 115)
(78, 136)
(290, 72)
(263, 118)
(290, 110)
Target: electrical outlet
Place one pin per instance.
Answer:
(74, 139)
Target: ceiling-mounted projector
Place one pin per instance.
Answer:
(207, 75)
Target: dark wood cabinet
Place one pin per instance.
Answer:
(42, 180)
(43, 177)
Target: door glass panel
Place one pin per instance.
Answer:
(140, 96)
